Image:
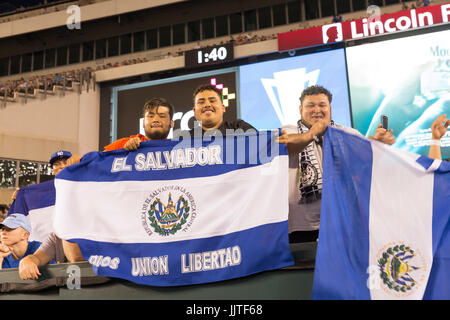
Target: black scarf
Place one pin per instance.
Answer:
(310, 170)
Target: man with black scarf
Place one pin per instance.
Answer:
(304, 143)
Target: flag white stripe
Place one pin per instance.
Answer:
(435, 165)
(400, 212)
(236, 205)
(41, 225)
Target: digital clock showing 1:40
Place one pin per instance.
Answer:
(209, 55)
(216, 54)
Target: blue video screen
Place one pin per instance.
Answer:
(270, 91)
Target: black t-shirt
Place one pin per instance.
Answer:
(235, 125)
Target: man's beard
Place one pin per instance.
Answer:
(157, 134)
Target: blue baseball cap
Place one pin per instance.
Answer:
(61, 154)
(15, 220)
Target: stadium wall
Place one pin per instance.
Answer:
(36, 129)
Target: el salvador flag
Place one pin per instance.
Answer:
(38, 203)
(179, 213)
(384, 230)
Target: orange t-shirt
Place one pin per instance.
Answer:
(119, 144)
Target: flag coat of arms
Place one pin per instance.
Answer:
(177, 213)
(38, 203)
(384, 231)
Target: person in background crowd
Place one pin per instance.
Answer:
(304, 143)
(336, 19)
(438, 129)
(209, 110)
(3, 213)
(15, 231)
(58, 161)
(158, 114)
(51, 249)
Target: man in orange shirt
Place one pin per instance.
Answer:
(158, 114)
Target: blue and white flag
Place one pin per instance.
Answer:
(384, 231)
(38, 203)
(176, 213)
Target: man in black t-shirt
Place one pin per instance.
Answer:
(209, 110)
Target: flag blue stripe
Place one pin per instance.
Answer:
(425, 162)
(439, 280)
(444, 167)
(244, 151)
(33, 197)
(262, 248)
(343, 249)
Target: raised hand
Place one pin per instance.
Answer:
(383, 135)
(132, 144)
(439, 127)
